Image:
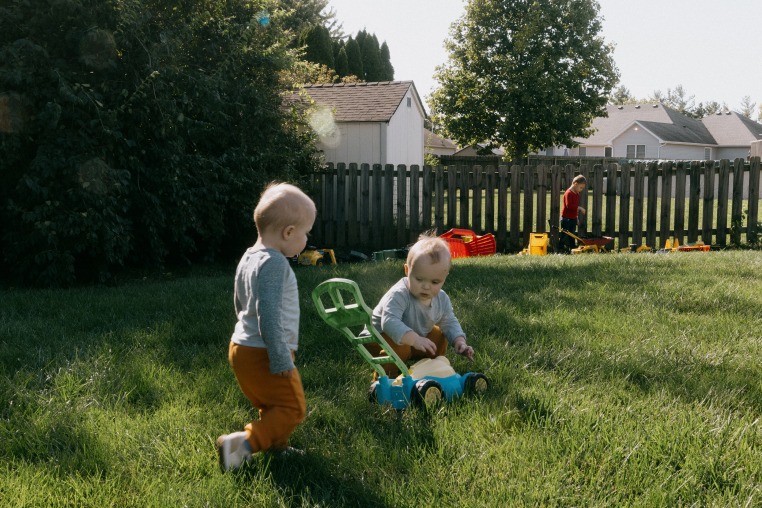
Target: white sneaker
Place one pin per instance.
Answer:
(232, 452)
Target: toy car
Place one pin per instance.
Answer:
(316, 257)
(427, 383)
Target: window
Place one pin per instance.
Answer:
(607, 152)
(409, 102)
(636, 151)
(582, 151)
(707, 153)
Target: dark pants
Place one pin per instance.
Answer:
(565, 242)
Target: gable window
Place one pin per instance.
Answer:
(707, 153)
(409, 102)
(607, 152)
(582, 151)
(636, 151)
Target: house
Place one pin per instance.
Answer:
(437, 145)
(656, 131)
(473, 151)
(374, 123)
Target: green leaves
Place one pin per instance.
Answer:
(524, 75)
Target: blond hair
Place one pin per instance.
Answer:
(427, 245)
(282, 205)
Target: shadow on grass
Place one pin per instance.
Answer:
(313, 480)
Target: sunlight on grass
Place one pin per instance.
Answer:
(616, 379)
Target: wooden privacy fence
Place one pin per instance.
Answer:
(378, 207)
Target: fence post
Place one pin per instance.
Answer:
(353, 218)
(637, 205)
(611, 174)
(340, 209)
(388, 204)
(464, 173)
(452, 196)
(723, 186)
(736, 214)
(439, 211)
(329, 206)
(542, 196)
(555, 204)
(377, 214)
(653, 196)
(426, 204)
(706, 230)
(365, 204)
(693, 202)
(413, 209)
(489, 199)
(597, 221)
(528, 202)
(402, 238)
(515, 207)
(753, 218)
(502, 207)
(666, 202)
(476, 199)
(624, 207)
(679, 227)
(584, 170)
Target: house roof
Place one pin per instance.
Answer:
(732, 129)
(431, 140)
(471, 151)
(663, 122)
(362, 102)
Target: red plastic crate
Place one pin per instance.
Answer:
(465, 243)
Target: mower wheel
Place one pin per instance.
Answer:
(476, 384)
(427, 393)
(372, 396)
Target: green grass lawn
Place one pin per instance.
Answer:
(618, 379)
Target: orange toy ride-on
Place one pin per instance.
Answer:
(465, 243)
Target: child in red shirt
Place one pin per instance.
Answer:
(570, 213)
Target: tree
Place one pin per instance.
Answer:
(622, 96)
(140, 133)
(747, 107)
(318, 47)
(386, 64)
(371, 58)
(524, 75)
(354, 58)
(342, 63)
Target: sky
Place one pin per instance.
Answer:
(713, 48)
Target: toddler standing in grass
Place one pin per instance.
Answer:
(262, 347)
(415, 316)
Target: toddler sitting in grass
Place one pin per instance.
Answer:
(415, 316)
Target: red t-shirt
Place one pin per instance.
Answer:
(571, 204)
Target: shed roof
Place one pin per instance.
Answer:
(362, 102)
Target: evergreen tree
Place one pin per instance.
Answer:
(342, 64)
(318, 46)
(354, 59)
(371, 59)
(386, 64)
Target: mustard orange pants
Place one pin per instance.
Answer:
(280, 400)
(408, 352)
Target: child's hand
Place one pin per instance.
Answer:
(285, 373)
(425, 345)
(464, 349)
(420, 343)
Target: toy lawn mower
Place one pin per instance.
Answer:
(425, 384)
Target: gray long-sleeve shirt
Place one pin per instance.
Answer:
(267, 306)
(398, 312)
